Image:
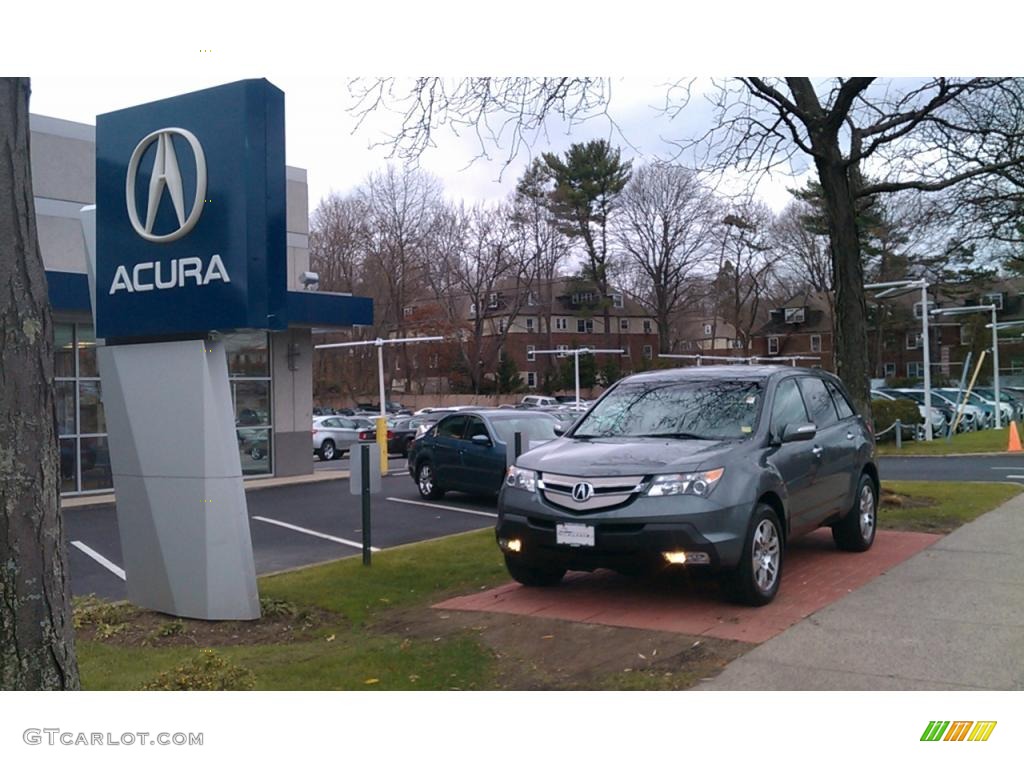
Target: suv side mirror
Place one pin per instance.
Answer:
(559, 430)
(793, 433)
(480, 440)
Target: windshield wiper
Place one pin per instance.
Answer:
(676, 436)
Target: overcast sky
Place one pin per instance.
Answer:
(83, 66)
(321, 133)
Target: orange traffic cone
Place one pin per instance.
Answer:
(1014, 446)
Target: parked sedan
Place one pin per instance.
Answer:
(938, 419)
(716, 467)
(972, 418)
(467, 451)
(1012, 406)
(334, 436)
(401, 433)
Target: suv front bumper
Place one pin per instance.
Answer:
(636, 534)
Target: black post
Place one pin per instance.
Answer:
(518, 444)
(365, 449)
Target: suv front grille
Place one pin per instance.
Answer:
(604, 491)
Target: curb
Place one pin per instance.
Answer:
(97, 500)
(943, 455)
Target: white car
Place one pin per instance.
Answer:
(538, 401)
(334, 436)
(973, 416)
(937, 419)
(979, 398)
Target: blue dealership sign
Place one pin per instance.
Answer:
(190, 207)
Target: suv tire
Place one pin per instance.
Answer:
(856, 531)
(533, 575)
(756, 579)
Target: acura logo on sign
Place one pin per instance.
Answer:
(166, 175)
(582, 491)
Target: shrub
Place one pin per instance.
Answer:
(208, 671)
(106, 619)
(886, 412)
(271, 608)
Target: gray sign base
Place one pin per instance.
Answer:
(181, 504)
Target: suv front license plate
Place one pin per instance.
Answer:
(574, 534)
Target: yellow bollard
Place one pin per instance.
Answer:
(382, 444)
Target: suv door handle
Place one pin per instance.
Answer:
(817, 451)
(849, 435)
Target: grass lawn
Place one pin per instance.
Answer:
(915, 505)
(984, 441)
(341, 651)
(340, 626)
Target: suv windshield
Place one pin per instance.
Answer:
(702, 410)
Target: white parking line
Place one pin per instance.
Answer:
(1017, 467)
(309, 532)
(1015, 477)
(443, 506)
(119, 572)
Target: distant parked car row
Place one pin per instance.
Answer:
(977, 409)
(335, 431)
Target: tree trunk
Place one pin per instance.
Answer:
(851, 352)
(36, 638)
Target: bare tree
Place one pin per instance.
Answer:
(401, 207)
(745, 272)
(913, 138)
(338, 241)
(36, 638)
(666, 229)
(479, 273)
(930, 135)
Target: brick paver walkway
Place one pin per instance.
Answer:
(815, 574)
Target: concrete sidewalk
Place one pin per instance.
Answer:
(949, 618)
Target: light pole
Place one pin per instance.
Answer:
(382, 422)
(898, 288)
(994, 325)
(576, 354)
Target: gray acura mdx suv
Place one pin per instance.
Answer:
(713, 466)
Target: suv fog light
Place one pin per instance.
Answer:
(511, 545)
(687, 558)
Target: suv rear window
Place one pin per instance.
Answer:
(843, 406)
(819, 403)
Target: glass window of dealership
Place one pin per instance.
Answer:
(81, 426)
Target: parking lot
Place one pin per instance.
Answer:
(291, 526)
(312, 522)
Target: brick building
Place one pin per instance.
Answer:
(516, 322)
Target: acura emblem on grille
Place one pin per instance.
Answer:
(582, 491)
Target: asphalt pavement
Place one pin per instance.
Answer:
(311, 522)
(291, 526)
(997, 468)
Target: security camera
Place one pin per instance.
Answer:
(310, 279)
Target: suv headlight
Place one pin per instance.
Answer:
(523, 479)
(693, 483)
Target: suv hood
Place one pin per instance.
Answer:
(613, 456)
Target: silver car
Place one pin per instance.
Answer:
(334, 436)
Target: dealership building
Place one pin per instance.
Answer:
(270, 371)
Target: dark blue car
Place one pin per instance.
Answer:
(466, 451)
